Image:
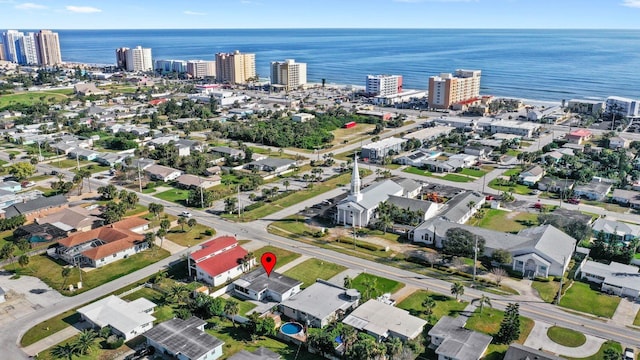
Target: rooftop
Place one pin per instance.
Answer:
(119, 314)
(212, 246)
(383, 320)
(319, 300)
(184, 337)
(459, 343)
(258, 281)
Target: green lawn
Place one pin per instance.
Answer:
(50, 271)
(517, 188)
(30, 98)
(162, 312)
(282, 256)
(417, 171)
(69, 163)
(174, 195)
(474, 173)
(582, 297)
(489, 323)
(515, 171)
(95, 168)
(189, 237)
(313, 269)
(600, 354)
(546, 290)
(155, 222)
(636, 322)
(383, 285)
(39, 177)
(458, 178)
(566, 337)
(50, 327)
(445, 305)
(244, 307)
(506, 221)
(139, 209)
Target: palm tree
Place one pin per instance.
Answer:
(428, 304)
(457, 289)
(394, 348)
(66, 272)
(348, 336)
(177, 294)
(484, 299)
(161, 234)
(66, 351)
(149, 239)
(192, 223)
(85, 341)
(23, 260)
(231, 309)
(348, 281)
(182, 221)
(286, 184)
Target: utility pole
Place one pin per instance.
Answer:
(238, 198)
(78, 161)
(475, 258)
(139, 177)
(564, 259)
(201, 193)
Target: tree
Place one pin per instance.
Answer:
(322, 341)
(231, 309)
(182, 221)
(428, 304)
(348, 335)
(482, 301)
(498, 274)
(461, 242)
(394, 348)
(23, 260)
(113, 212)
(66, 272)
(178, 294)
(23, 245)
(149, 239)
(131, 200)
(84, 174)
(165, 224)
(156, 209)
(510, 325)
(7, 251)
(348, 281)
(108, 192)
(191, 223)
(286, 184)
(612, 354)
(66, 351)
(85, 341)
(230, 204)
(501, 256)
(457, 289)
(161, 233)
(22, 170)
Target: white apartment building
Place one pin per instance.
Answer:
(9, 39)
(235, 68)
(48, 45)
(289, 74)
(383, 85)
(621, 106)
(27, 49)
(448, 89)
(166, 66)
(201, 68)
(139, 59)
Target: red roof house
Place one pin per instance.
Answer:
(219, 261)
(579, 136)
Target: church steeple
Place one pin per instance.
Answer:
(355, 181)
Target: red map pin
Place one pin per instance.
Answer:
(268, 261)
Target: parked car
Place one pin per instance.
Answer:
(489, 197)
(574, 201)
(186, 214)
(629, 354)
(535, 191)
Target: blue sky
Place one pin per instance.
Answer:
(144, 14)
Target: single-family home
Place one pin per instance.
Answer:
(189, 181)
(615, 231)
(481, 152)
(73, 219)
(38, 207)
(555, 185)
(596, 189)
(111, 159)
(259, 286)
(615, 278)
(104, 245)
(320, 303)
(184, 340)
(260, 353)
(272, 165)
(531, 175)
(617, 142)
(579, 136)
(521, 352)
(162, 173)
(83, 154)
(126, 319)
(213, 170)
(219, 260)
(385, 321)
(552, 157)
(454, 342)
(88, 89)
(627, 198)
(185, 147)
(223, 151)
(416, 158)
(7, 198)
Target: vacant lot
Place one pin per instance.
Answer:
(546, 290)
(360, 130)
(178, 196)
(582, 297)
(489, 323)
(445, 305)
(506, 221)
(283, 256)
(189, 236)
(313, 269)
(30, 98)
(382, 285)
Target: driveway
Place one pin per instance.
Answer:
(538, 339)
(626, 312)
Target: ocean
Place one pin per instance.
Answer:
(534, 64)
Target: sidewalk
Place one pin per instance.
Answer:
(292, 264)
(56, 338)
(626, 312)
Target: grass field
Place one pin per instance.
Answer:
(636, 322)
(69, 163)
(189, 237)
(582, 297)
(383, 285)
(474, 173)
(174, 195)
(313, 269)
(600, 354)
(417, 171)
(50, 271)
(546, 290)
(458, 178)
(517, 188)
(445, 305)
(95, 168)
(489, 323)
(162, 312)
(283, 256)
(506, 221)
(30, 98)
(351, 134)
(566, 337)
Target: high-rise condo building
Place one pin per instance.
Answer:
(10, 39)
(48, 45)
(622, 107)
(235, 68)
(289, 73)
(121, 58)
(448, 89)
(27, 49)
(139, 59)
(201, 68)
(383, 85)
(3, 56)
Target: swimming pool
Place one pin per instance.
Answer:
(291, 328)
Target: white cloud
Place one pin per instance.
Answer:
(631, 3)
(189, 12)
(30, 6)
(83, 9)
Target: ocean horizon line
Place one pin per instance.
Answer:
(336, 28)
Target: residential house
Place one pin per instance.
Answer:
(74, 219)
(272, 165)
(556, 185)
(429, 133)
(615, 278)
(451, 164)
(185, 147)
(531, 175)
(219, 260)
(39, 233)
(260, 353)
(88, 89)
(142, 164)
(259, 286)
(416, 158)
(617, 142)
(127, 319)
(385, 321)
(111, 159)
(7, 198)
(83, 154)
(214, 170)
(189, 181)
(552, 157)
(378, 150)
(35, 208)
(579, 136)
(223, 151)
(162, 173)
(539, 251)
(302, 117)
(482, 152)
(184, 340)
(615, 231)
(12, 186)
(521, 352)
(320, 303)
(103, 245)
(454, 342)
(596, 189)
(627, 198)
